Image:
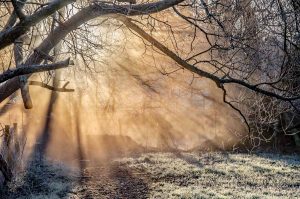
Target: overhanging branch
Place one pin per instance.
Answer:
(8, 36)
(24, 70)
(219, 81)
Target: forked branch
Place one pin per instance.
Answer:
(52, 88)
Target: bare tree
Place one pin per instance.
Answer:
(246, 46)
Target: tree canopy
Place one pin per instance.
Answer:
(251, 45)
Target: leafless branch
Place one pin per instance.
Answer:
(52, 88)
(25, 69)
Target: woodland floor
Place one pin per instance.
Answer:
(166, 175)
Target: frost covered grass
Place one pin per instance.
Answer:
(41, 180)
(219, 175)
(165, 175)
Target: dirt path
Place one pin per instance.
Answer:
(111, 181)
